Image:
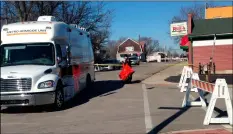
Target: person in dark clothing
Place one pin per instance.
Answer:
(128, 61)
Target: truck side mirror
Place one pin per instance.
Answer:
(58, 59)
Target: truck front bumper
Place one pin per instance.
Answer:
(30, 99)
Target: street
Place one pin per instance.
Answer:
(78, 56)
(109, 107)
(112, 107)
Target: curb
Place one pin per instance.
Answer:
(201, 131)
(160, 84)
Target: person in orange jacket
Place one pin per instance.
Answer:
(128, 62)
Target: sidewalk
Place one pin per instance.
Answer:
(169, 76)
(165, 101)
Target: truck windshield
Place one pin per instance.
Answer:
(27, 54)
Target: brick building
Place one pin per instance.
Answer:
(211, 38)
(130, 47)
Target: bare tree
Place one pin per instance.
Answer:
(169, 52)
(175, 54)
(28, 10)
(151, 45)
(120, 40)
(112, 47)
(8, 12)
(198, 12)
(47, 8)
(91, 15)
(24, 9)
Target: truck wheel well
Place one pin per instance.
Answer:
(59, 83)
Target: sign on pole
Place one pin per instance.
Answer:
(179, 29)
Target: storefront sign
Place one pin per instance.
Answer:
(179, 29)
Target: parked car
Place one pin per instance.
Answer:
(116, 64)
(135, 60)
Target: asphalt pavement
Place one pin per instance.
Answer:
(109, 107)
(113, 107)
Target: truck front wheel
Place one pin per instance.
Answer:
(59, 98)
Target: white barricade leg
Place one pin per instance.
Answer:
(97, 68)
(182, 76)
(184, 84)
(188, 102)
(220, 91)
(188, 73)
(186, 96)
(195, 76)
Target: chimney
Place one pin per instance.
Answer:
(139, 41)
(190, 24)
(190, 50)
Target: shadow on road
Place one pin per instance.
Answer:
(173, 79)
(98, 89)
(167, 121)
(227, 77)
(135, 81)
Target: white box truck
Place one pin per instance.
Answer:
(44, 62)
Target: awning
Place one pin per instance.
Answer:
(185, 48)
(184, 43)
(210, 36)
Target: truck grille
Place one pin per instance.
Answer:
(11, 85)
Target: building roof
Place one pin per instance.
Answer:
(208, 27)
(129, 42)
(142, 43)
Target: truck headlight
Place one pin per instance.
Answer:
(46, 84)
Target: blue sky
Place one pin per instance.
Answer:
(149, 19)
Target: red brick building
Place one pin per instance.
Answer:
(129, 46)
(211, 38)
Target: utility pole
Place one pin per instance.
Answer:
(6, 17)
(140, 45)
(164, 48)
(165, 53)
(139, 39)
(205, 8)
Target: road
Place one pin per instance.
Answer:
(108, 107)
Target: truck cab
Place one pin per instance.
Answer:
(44, 62)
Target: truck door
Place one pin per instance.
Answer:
(65, 72)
